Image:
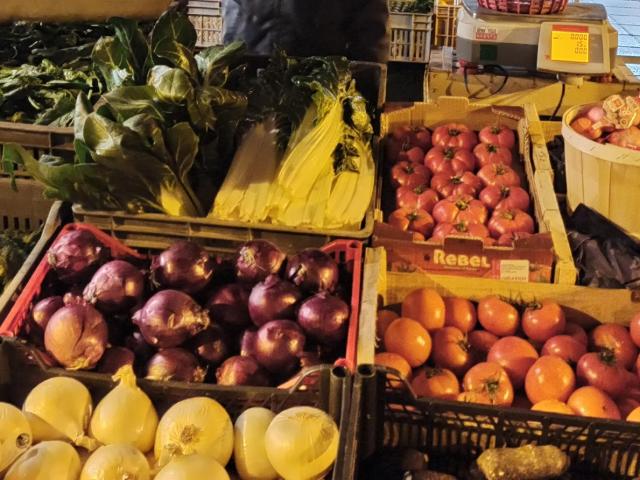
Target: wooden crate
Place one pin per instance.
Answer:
(537, 168)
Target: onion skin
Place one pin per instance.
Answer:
(324, 318)
(117, 286)
(211, 345)
(76, 336)
(313, 271)
(41, 313)
(114, 359)
(248, 343)
(240, 370)
(272, 299)
(228, 305)
(183, 266)
(169, 318)
(175, 364)
(76, 255)
(279, 345)
(257, 259)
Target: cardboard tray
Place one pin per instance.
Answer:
(545, 257)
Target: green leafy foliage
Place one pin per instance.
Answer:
(14, 249)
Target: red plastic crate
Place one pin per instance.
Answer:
(347, 252)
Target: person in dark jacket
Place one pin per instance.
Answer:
(356, 29)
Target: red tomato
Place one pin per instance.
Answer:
(549, 378)
(420, 197)
(435, 383)
(491, 380)
(500, 197)
(602, 371)
(626, 406)
(634, 329)
(498, 135)
(401, 133)
(500, 175)
(422, 138)
(488, 154)
(520, 401)
(456, 135)
(481, 342)
(465, 183)
(617, 339)
(566, 347)
(459, 313)
(510, 221)
(576, 331)
(408, 174)
(460, 208)
(449, 160)
(509, 239)
(498, 316)
(515, 355)
(592, 402)
(412, 221)
(543, 320)
(411, 155)
(460, 229)
(451, 350)
(426, 306)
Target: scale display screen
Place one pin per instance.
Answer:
(570, 43)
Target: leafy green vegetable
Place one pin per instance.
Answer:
(14, 249)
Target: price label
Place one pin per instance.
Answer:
(570, 43)
(514, 270)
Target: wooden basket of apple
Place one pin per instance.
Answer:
(602, 158)
(458, 197)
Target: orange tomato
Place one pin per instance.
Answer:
(459, 313)
(498, 316)
(634, 416)
(491, 380)
(436, 383)
(515, 355)
(393, 360)
(474, 397)
(425, 306)
(409, 339)
(543, 320)
(383, 320)
(593, 402)
(626, 406)
(576, 331)
(451, 350)
(481, 342)
(553, 406)
(549, 378)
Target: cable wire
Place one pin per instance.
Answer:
(492, 69)
(555, 112)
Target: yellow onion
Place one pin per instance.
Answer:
(118, 461)
(125, 414)
(59, 409)
(193, 467)
(46, 461)
(302, 443)
(249, 453)
(15, 435)
(195, 425)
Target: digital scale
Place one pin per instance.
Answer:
(578, 42)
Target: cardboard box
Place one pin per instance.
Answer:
(544, 258)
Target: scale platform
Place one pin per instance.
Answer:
(579, 41)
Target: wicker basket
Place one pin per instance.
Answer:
(525, 7)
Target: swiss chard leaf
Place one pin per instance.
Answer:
(111, 59)
(133, 41)
(172, 41)
(125, 102)
(214, 62)
(172, 85)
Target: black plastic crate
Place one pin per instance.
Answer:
(453, 434)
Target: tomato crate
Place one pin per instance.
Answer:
(347, 253)
(324, 387)
(446, 22)
(452, 433)
(410, 37)
(544, 257)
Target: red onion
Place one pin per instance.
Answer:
(183, 266)
(175, 364)
(41, 313)
(228, 306)
(309, 359)
(117, 286)
(169, 318)
(313, 271)
(76, 336)
(257, 259)
(278, 346)
(248, 343)
(76, 255)
(242, 371)
(273, 299)
(212, 345)
(114, 359)
(324, 318)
